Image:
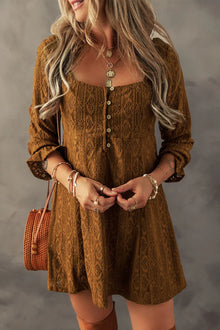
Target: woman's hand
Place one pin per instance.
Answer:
(88, 190)
(140, 186)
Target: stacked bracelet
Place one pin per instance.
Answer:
(74, 184)
(154, 184)
(53, 174)
(70, 178)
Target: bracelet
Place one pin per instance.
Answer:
(53, 174)
(75, 184)
(155, 186)
(70, 178)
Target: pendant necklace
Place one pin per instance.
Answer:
(110, 72)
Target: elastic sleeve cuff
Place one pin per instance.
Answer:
(35, 161)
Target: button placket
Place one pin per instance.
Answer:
(108, 116)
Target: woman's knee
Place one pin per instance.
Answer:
(83, 305)
(151, 317)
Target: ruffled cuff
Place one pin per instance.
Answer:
(35, 161)
(179, 173)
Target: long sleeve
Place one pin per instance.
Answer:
(43, 133)
(179, 141)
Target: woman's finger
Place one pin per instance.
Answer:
(109, 201)
(100, 208)
(124, 187)
(105, 201)
(132, 202)
(126, 203)
(101, 202)
(122, 202)
(137, 201)
(106, 190)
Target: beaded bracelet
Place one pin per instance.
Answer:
(53, 174)
(70, 178)
(74, 184)
(155, 186)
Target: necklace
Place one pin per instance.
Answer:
(110, 72)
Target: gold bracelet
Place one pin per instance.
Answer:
(53, 174)
(154, 184)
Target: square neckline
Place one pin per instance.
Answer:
(143, 81)
(137, 83)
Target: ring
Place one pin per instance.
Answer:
(102, 188)
(96, 210)
(135, 201)
(96, 201)
(133, 207)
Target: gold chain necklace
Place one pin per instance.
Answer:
(110, 72)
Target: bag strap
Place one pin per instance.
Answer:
(49, 191)
(58, 118)
(43, 213)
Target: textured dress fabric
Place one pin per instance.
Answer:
(109, 136)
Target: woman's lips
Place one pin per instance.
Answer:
(77, 4)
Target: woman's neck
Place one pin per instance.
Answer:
(109, 34)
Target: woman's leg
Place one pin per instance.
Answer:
(152, 317)
(85, 309)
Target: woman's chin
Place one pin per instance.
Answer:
(81, 15)
(80, 19)
(81, 11)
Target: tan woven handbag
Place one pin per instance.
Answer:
(35, 244)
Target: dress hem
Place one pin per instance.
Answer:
(124, 295)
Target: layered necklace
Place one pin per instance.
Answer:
(109, 66)
(110, 73)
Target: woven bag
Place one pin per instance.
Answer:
(35, 244)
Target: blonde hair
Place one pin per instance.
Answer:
(133, 22)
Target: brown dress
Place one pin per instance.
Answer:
(133, 254)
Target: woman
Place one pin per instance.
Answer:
(110, 230)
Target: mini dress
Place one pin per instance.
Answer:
(109, 136)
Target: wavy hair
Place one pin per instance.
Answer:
(133, 23)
